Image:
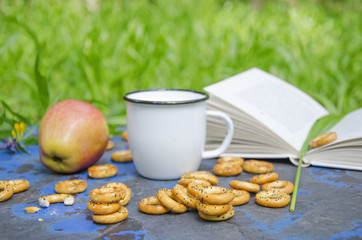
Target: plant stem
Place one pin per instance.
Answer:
(296, 183)
(31, 130)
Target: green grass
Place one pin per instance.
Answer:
(55, 50)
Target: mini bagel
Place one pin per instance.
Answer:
(227, 169)
(166, 198)
(103, 208)
(233, 160)
(45, 201)
(31, 209)
(125, 135)
(241, 197)
(186, 181)
(6, 190)
(71, 186)
(110, 145)
(151, 205)
(264, 178)
(257, 166)
(194, 187)
(212, 194)
(19, 185)
(323, 139)
(116, 217)
(121, 156)
(118, 185)
(221, 217)
(106, 195)
(242, 185)
(203, 175)
(211, 209)
(122, 187)
(281, 185)
(183, 196)
(272, 198)
(125, 200)
(102, 171)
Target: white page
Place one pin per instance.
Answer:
(248, 133)
(347, 157)
(350, 124)
(346, 150)
(249, 128)
(281, 107)
(246, 150)
(250, 138)
(349, 128)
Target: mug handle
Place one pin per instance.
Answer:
(229, 134)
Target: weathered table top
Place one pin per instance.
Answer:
(328, 206)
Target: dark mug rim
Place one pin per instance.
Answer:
(203, 98)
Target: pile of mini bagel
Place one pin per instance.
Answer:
(275, 192)
(108, 202)
(8, 188)
(199, 191)
(196, 190)
(65, 191)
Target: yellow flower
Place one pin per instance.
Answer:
(22, 129)
(13, 134)
(13, 144)
(19, 130)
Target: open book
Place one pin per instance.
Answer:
(272, 119)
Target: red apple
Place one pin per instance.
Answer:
(73, 135)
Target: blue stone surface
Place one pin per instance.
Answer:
(328, 206)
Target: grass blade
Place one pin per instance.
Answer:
(19, 117)
(321, 126)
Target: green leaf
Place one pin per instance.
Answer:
(40, 80)
(114, 123)
(117, 120)
(17, 115)
(21, 148)
(114, 130)
(31, 141)
(41, 83)
(321, 126)
(5, 133)
(5, 119)
(95, 101)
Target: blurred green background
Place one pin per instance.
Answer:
(98, 50)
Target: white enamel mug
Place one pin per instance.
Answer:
(167, 131)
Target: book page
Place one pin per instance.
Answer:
(281, 107)
(346, 157)
(351, 124)
(247, 131)
(349, 128)
(346, 151)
